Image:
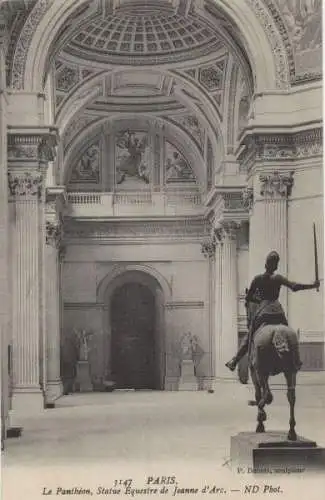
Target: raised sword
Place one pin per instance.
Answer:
(316, 256)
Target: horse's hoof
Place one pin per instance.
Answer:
(292, 436)
(261, 416)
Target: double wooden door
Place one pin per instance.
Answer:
(133, 353)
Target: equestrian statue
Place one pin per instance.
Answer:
(272, 346)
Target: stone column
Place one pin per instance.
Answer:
(274, 192)
(218, 305)
(28, 154)
(4, 272)
(54, 203)
(228, 338)
(208, 250)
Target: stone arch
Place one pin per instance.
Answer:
(253, 19)
(85, 92)
(120, 270)
(146, 276)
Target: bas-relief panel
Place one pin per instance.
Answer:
(87, 169)
(132, 159)
(303, 19)
(177, 168)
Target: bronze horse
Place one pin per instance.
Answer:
(273, 350)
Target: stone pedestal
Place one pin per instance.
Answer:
(188, 381)
(83, 381)
(271, 451)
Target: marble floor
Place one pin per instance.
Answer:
(93, 441)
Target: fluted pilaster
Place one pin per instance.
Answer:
(25, 191)
(4, 269)
(54, 203)
(228, 340)
(218, 310)
(221, 249)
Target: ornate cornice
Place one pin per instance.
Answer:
(272, 146)
(27, 184)
(38, 145)
(276, 184)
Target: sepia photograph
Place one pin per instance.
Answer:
(162, 249)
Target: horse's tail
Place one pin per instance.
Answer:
(280, 342)
(285, 342)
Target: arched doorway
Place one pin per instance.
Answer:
(133, 346)
(134, 321)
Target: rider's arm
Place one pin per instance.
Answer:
(251, 294)
(297, 287)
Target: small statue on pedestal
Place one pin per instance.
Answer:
(83, 379)
(190, 357)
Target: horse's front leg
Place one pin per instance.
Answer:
(291, 395)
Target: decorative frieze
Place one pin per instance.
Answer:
(195, 227)
(276, 184)
(36, 146)
(27, 184)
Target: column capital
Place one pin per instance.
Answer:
(276, 184)
(208, 247)
(228, 229)
(31, 144)
(53, 233)
(248, 198)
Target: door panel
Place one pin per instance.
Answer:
(133, 337)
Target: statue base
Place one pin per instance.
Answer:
(188, 381)
(261, 452)
(83, 381)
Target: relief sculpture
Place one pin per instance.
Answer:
(88, 167)
(177, 168)
(303, 20)
(132, 159)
